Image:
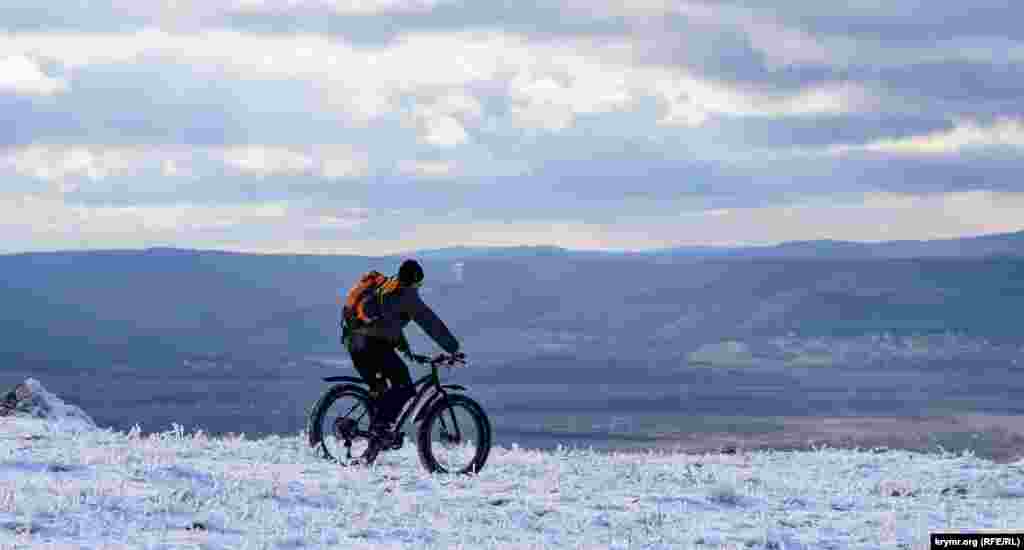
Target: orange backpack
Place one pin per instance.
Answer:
(361, 307)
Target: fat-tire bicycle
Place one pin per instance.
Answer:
(453, 433)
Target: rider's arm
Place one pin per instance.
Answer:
(432, 324)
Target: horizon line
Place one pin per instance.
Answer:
(454, 247)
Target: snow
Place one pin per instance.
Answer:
(98, 488)
(60, 415)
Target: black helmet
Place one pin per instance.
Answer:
(410, 273)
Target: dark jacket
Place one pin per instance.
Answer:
(401, 306)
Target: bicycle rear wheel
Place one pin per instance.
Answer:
(454, 437)
(339, 424)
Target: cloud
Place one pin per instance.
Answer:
(57, 216)
(958, 88)
(428, 168)
(337, 7)
(445, 131)
(120, 15)
(339, 161)
(904, 21)
(847, 130)
(169, 168)
(684, 30)
(264, 161)
(892, 216)
(783, 45)
(925, 54)
(65, 166)
(23, 75)
(441, 120)
(327, 161)
(546, 84)
(1005, 132)
(624, 124)
(53, 222)
(347, 219)
(874, 216)
(321, 225)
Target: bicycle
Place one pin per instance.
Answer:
(440, 402)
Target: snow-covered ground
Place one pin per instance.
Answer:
(68, 484)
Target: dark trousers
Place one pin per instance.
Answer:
(371, 356)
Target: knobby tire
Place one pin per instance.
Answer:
(441, 411)
(314, 426)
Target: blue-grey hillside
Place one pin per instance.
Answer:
(146, 334)
(1004, 244)
(513, 302)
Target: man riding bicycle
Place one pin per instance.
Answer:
(373, 346)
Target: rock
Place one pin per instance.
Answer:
(896, 488)
(957, 490)
(30, 399)
(20, 394)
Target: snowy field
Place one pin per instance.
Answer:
(66, 484)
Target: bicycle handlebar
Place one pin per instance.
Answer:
(441, 359)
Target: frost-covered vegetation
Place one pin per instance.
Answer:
(70, 485)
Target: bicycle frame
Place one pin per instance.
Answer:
(428, 382)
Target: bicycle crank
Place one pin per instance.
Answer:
(345, 428)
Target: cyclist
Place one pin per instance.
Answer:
(373, 346)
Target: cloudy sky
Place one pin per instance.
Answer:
(379, 126)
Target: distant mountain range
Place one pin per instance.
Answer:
(129, 306)
(1003, 244)
(999, 244)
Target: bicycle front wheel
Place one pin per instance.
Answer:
(454, 437)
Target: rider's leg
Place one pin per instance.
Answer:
(366, 360)
(397, 373)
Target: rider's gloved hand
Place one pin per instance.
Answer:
(459, 356)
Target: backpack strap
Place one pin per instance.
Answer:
(390, 285)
